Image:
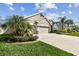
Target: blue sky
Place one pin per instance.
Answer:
(50, 10)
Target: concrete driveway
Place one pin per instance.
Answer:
(65, 42)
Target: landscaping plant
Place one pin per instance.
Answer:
(19, 29)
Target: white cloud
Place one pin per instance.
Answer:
(24, 15)
(11, 8)
(22, 8)
(63, 12)
(52, 16)
(3, 18)
(76, 4)
(37, 5)
(44, 6)
(50, 5)
(9, 4)
(70, 12)
(41, 11)
(70, 5)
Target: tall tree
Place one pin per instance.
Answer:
(69, 22)
(62, 20)
(18, 27)
(52, 25)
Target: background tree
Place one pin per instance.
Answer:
(51, 25)
(75, 28)
(69, 22)
(62, 20)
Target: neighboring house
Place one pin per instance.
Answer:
(43, 25)
(70, 27)
(56, 25)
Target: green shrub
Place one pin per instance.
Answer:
(55, 31)
(25, 39)
(69, 31)
(7, 38)
(51, 32)
(12, 38)
(33, 38)
(21, 39)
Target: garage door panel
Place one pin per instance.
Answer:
(42, 30)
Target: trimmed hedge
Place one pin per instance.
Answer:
(7, 38)
(55, 31)
(24, 39)
(12, 38)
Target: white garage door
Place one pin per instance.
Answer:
(42, 30)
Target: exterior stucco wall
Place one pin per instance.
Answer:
(42, 26)
(41, 20)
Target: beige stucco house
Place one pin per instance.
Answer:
(39, 22)
(42, 23)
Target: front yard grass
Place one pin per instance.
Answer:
(33, 49)
(73, 34)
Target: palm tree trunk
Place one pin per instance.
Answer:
(67, 27)
(61, 26)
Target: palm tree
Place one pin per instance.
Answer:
(62, 20)
(18, 27)
(52, 25)
(69, 22)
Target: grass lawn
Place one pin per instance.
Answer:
(33, 49)
(73, 34)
